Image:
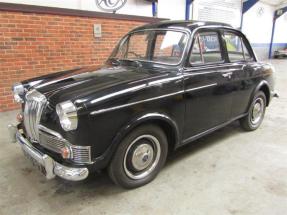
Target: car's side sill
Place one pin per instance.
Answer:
(197, 136)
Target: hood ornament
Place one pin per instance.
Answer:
(110, 5)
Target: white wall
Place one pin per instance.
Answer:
(172, 9)
(132, 7)
(228, 11)
(280, 35)
(258, 27)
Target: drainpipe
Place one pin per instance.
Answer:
(187, 8)
(154, 8)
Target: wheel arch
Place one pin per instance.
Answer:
(168, 125)
(265, 88)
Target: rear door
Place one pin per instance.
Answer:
(242, 63)
(208, 86)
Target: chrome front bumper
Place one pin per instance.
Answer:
(50, 167)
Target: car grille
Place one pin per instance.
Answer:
(34, 105)
(55, 142)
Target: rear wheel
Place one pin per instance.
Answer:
(256, 113)
(139, 157)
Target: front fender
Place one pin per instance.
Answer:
(148, 117)
(139, 120)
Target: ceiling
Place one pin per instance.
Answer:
(275, 2)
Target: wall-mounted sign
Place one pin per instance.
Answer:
(97, 30)
(110, 5)
(227, 11)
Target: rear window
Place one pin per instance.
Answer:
(236, 48)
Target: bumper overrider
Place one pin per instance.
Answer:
(47, 165)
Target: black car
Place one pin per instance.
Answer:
(164, 85)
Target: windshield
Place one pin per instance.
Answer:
(161, 46)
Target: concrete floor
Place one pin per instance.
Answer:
(227, 172)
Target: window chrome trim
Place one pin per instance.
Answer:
(135, 103)
(184, 31)
(220, 27)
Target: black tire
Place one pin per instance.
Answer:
(121, 168)
(248, 122)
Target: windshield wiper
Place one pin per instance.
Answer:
(115, 61)
(139, 64)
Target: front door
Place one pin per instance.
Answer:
(208, 86)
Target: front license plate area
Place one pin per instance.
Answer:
(35, 163)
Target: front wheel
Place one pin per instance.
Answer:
(139, 157)
(256, 113)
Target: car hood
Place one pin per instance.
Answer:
(83, 83)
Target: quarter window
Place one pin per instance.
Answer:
(236, 48)
(206, 48)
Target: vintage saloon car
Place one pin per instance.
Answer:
(164, 85)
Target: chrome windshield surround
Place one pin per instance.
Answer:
(182, 30)
(35, 102)
(54, 141)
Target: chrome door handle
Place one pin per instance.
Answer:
(227, 75)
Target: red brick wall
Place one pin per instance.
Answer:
(34, 44)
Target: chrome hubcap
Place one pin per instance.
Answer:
(257, 111)
(142, 157)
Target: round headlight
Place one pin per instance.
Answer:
(18, 90)
(68, 116)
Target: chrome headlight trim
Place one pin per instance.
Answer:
(18, 91)
(68, 116)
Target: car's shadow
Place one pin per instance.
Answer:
(204, 142)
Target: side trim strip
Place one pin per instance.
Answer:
(134, 103)
(202, 87)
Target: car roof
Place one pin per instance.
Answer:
(181, 24)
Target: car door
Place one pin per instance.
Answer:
(243, 65)
(207, 83)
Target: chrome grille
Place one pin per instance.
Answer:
(50, 142)
(34, 105)
(55, 142)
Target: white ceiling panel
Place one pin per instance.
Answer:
(274, 2)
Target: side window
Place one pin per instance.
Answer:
(206, 48)
(236, 48)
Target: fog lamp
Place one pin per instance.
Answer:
(66, 152)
